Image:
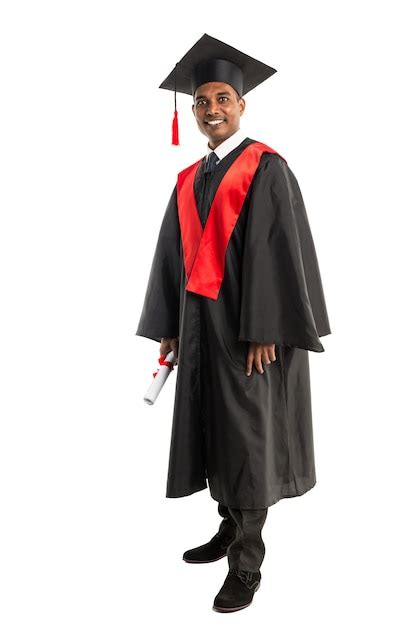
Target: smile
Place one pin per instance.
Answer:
(215, 122)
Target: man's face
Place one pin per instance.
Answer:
(217, 101)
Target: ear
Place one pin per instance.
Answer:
(242, 105)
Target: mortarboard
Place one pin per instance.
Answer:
(213, 60)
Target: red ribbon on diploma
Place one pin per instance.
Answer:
(162, 361)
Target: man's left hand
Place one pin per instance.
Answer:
(258, 353)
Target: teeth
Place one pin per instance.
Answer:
(215, 122)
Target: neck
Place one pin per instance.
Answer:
(215, 145)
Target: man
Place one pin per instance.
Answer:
(235, 291)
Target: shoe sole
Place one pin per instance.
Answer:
(221, 609)
(211, 560)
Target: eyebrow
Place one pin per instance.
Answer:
(219, 93)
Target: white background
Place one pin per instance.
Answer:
(87, 167)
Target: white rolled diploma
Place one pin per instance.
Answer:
(160, 377)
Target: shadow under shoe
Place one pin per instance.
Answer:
(213, 550)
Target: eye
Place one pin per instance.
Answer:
(224, 98)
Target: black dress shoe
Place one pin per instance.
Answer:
(214, 550)
(237, 591)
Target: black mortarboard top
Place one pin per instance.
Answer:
(213, 60)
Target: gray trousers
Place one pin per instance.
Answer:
(247, 551)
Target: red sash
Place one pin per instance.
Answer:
(205, 249)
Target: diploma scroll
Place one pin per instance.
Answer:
(167, 363)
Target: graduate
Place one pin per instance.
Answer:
(235, 290)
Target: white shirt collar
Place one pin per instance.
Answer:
(228, 144)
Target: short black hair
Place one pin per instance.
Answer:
(238, 96)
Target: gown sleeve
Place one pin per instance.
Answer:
(160, 311)
(282, 299)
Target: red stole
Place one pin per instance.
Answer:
(205, 249)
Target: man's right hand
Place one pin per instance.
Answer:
(168, 344)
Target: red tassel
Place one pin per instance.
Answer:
(175, 137)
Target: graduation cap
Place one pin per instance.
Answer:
(212, 60)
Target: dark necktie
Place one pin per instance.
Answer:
(211, 160)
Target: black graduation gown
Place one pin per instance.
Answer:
(249, 437)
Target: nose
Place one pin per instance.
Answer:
(211, 108)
